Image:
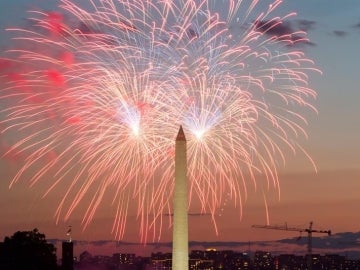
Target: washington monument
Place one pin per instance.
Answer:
(180, 252)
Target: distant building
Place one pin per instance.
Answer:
(85, 256)
(67, 262)
(161, 261)
(289, 262)
(198, 259)
(212, 259)
(123, 258)
(263, 261)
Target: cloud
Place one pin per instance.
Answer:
(293, 33)
(277, 27)
(306, 25)
(342, 33)
(339, 33)
(218, 244)
(357, 25)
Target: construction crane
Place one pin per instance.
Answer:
(309, 231)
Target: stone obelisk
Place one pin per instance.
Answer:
(180, 252)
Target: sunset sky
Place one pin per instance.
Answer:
(330, 196)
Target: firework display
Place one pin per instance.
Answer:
(93, 95)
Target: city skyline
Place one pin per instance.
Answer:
(329, 197)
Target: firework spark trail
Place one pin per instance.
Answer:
(105, 84)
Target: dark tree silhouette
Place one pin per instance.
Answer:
(27, 250)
